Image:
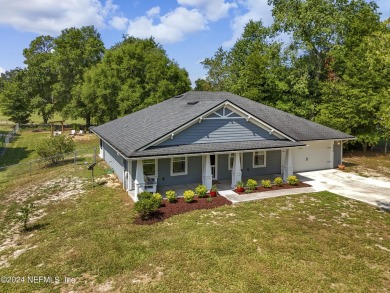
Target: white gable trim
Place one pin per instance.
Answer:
(231, 107)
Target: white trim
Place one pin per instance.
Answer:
(216, 152)
(232, 154)
(265, 159)
(231, 107)
(186, 166)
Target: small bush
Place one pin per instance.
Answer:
(201, 190)
(266, 183)
(210, 199)
(278, 181)
(171, 195)
(147, 204)
(251, 184)
(53, 148)
(292, 180)
(158, 197)
(188, 196)
(23, 215)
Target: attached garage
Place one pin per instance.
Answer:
(318, 155)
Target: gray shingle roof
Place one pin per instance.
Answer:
(132, 132)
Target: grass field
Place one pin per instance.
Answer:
(368, 164)
(317, 242)
(35, 118)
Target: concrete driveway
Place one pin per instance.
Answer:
(360, 188)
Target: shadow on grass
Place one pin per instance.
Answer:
(384, 206)
(347, 164)
(13, 155)
(36, 227)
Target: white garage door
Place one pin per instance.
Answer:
(316, 156)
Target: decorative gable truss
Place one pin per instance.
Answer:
(224, 123)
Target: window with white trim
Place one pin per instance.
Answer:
(259, 159)
(231, 161)
(179, 166)
(150, 167)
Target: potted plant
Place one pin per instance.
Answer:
(213, 191)
(341, 166)
(240, 186)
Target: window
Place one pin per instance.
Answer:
(258, 159)
(178, 166)
(231, 161)
(149, 167)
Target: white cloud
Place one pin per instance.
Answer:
(255, 10)
(51, 16)
(213, 9)
(172, 27)
(2, 70)
(153, 11)
(119, 23)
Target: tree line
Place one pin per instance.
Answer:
(324, 60)
(74, 75)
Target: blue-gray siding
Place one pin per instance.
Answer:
(194, 172)
(337, 154)
(220, 130)
(223, 171)
(115, 161)
(273, 165)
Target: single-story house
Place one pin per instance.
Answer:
(198, 137)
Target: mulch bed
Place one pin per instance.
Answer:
(180, 206)
(275, 187)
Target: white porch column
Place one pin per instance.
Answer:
(207, 177)
(139, 178)
(288, 165)
(130, 175)
(236, 171)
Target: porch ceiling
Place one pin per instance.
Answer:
(216, 147)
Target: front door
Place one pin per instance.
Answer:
(213, 162)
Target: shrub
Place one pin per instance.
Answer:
(251, 184)
(24, 215)
(292, 180)
(158, 197)
(266, 183)
(201, 190)
(278, 181)
(53, 148)
(147, 204)
(171, 195)
(188, 195)
(210, 199)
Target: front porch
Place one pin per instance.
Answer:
(224, 170)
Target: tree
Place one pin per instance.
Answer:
(132, 75)
(76, 51)
(41, 75)
(14, 97)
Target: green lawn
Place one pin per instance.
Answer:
(35, 118)
(304, 243)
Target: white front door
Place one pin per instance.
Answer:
(214, 169)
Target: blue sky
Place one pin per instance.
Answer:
(189, 30)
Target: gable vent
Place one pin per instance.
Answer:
(192, 103)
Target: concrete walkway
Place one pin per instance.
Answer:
(368, 190)
(236, 198)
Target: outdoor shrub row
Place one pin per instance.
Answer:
(252, 184)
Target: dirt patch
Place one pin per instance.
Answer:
(275, 187)
(180, 206)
